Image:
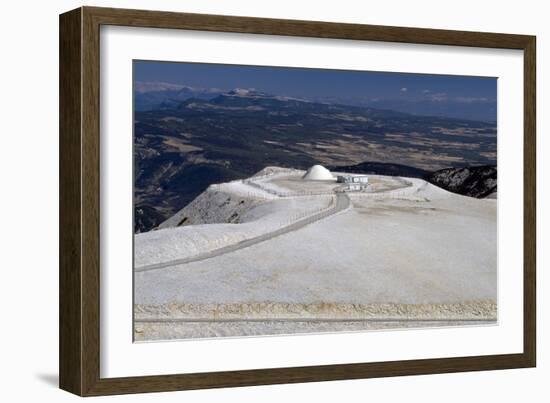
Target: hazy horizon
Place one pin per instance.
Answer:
(465, 97)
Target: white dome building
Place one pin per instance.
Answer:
(318, 173)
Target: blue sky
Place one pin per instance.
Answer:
(468, 94)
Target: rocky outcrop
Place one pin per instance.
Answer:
(479, 182)
(211, 207)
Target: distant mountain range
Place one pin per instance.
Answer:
(183, 146)
(158, 95)
(150, 96)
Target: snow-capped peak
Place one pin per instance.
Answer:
(243, 91)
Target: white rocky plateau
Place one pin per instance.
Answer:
(286, 252)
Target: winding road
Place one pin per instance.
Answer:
(342, 203)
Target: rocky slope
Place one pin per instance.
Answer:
(213, 206)
(479, 182)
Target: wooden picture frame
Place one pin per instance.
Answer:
(79, 348)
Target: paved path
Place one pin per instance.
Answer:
(342, 203)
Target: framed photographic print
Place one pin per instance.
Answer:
(249, 201)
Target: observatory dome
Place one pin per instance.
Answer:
(318, 173)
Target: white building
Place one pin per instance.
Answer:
(354, 187)
(364, 179)
(353, 183)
